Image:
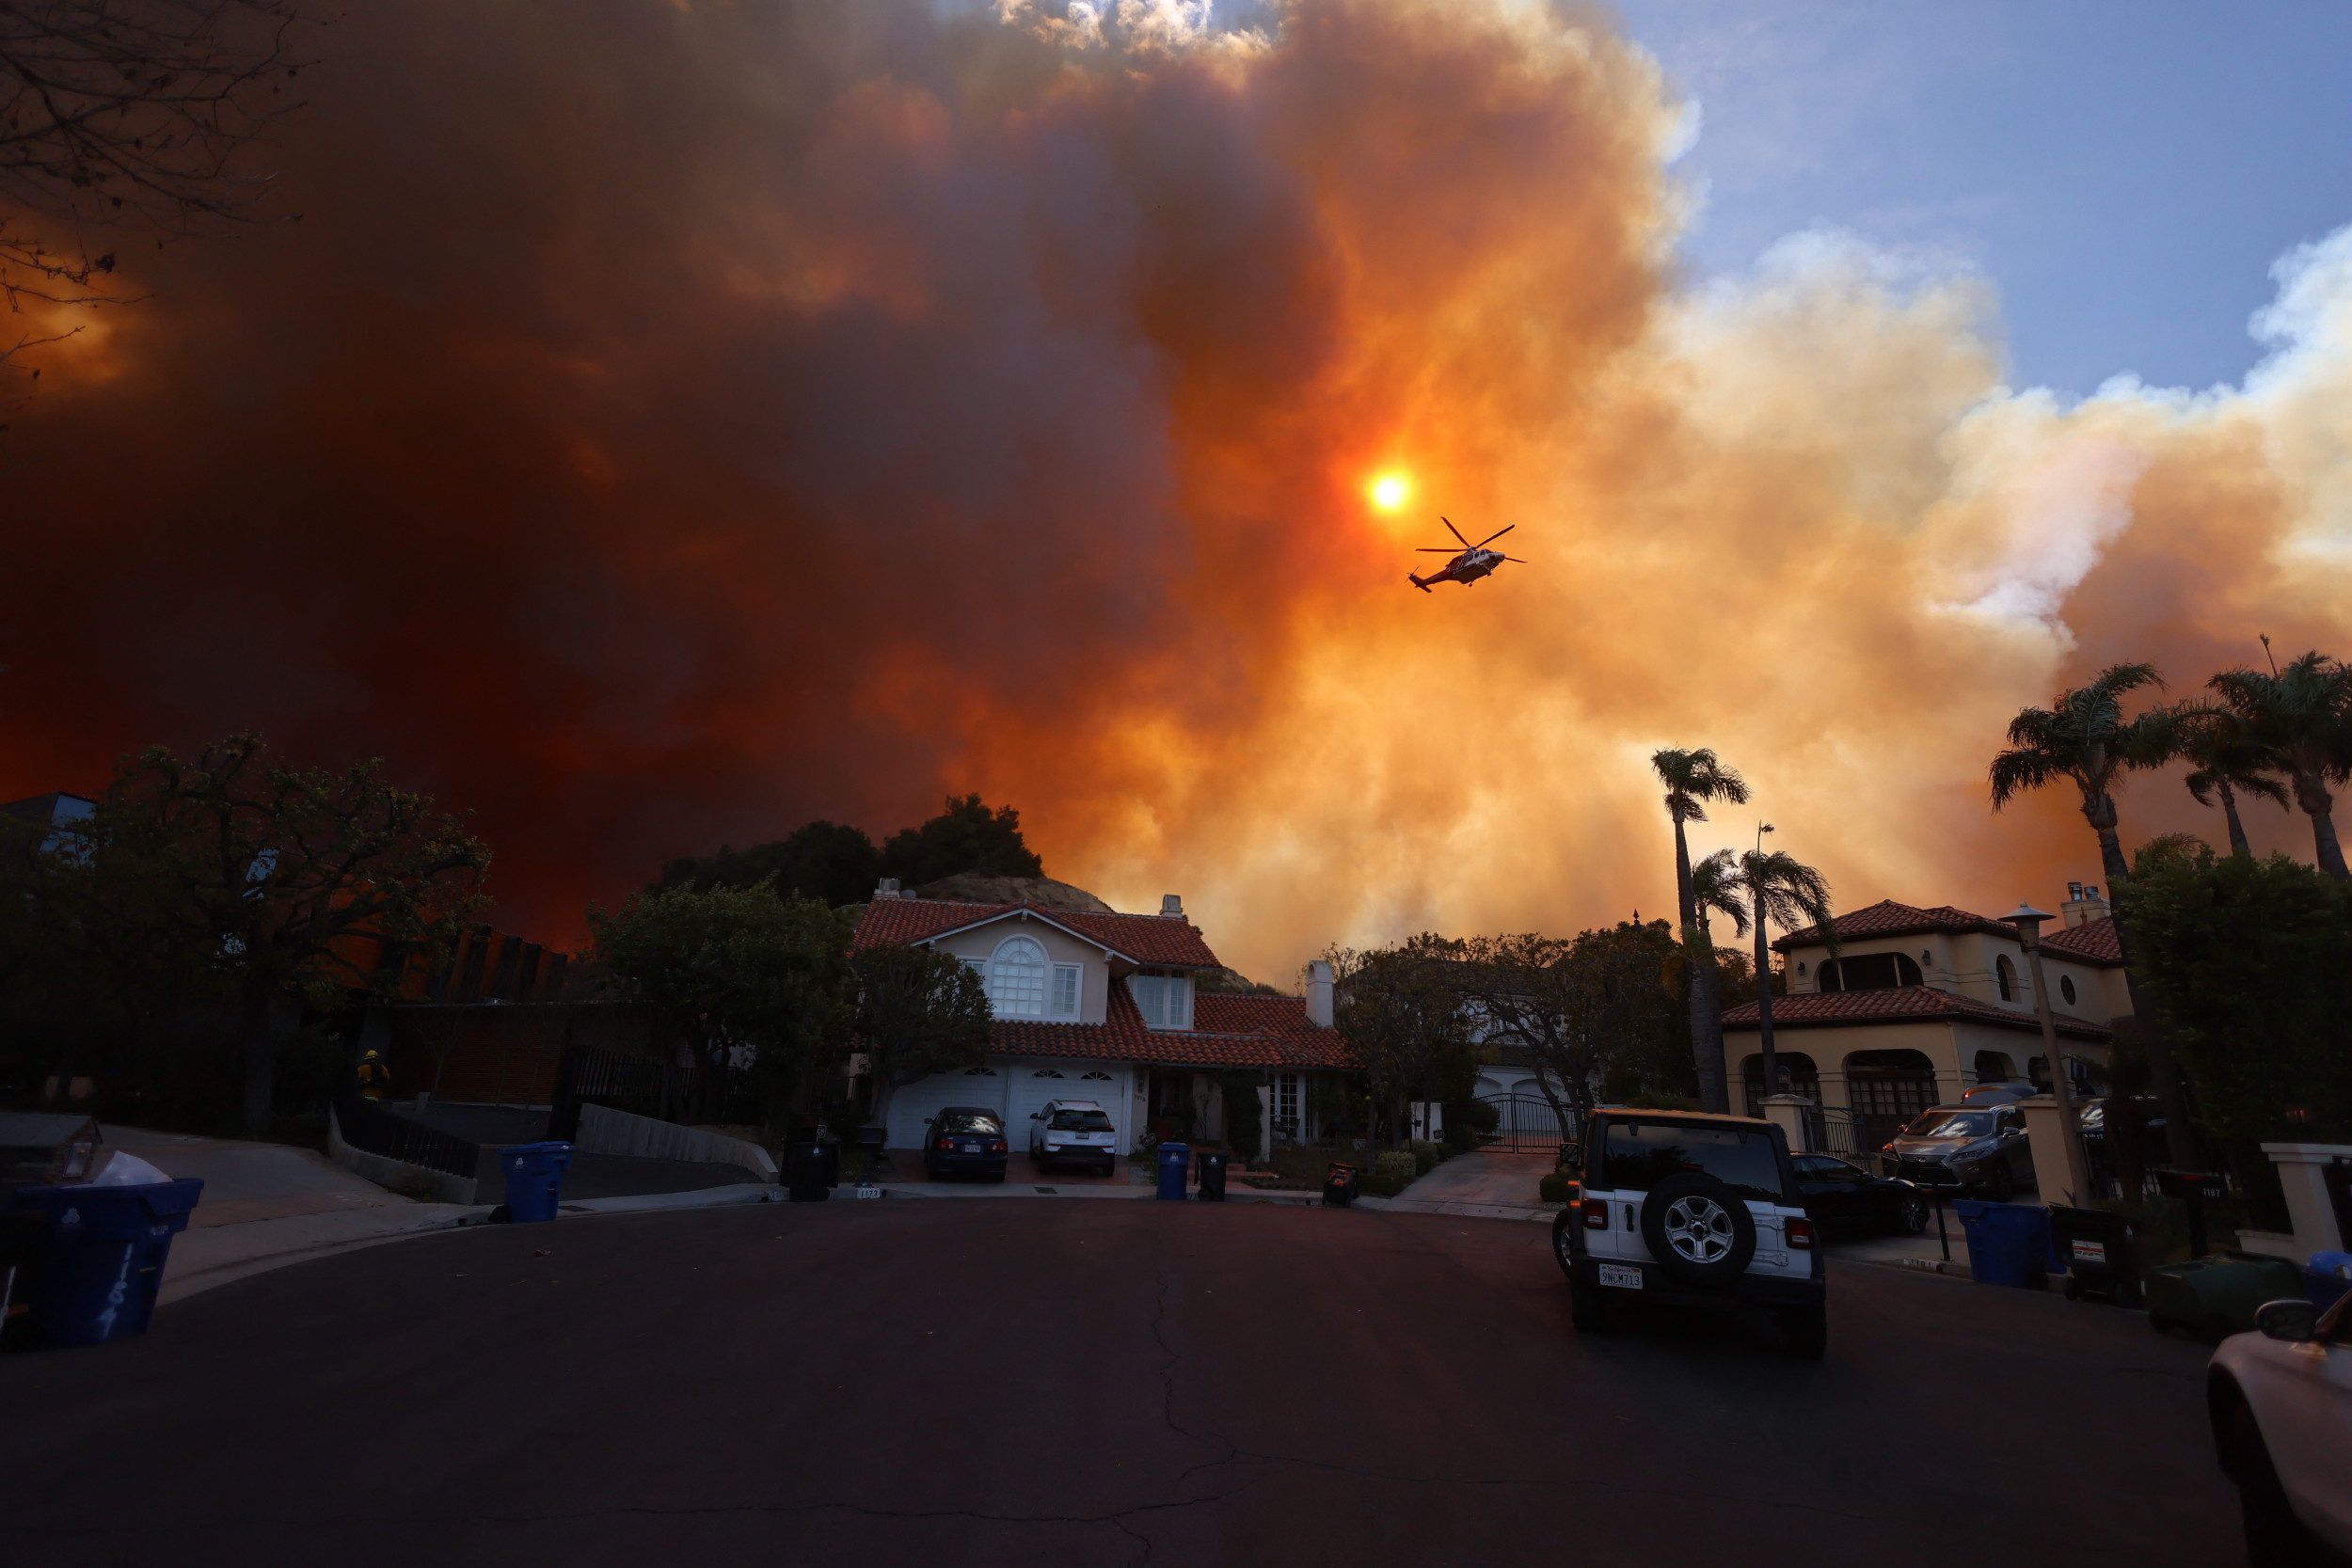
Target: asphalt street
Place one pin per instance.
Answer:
(1027, 1383)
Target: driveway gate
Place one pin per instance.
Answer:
(1526, 1124)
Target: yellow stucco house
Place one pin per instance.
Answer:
(1922, 1003)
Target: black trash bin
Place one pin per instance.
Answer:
(1211, 1176)
(2097, 1247)
(811, 1170)
(1340, 1185)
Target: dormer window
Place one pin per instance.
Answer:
(1016, 979)
(1869, 972)
(2005, 977)
(1165, 1000)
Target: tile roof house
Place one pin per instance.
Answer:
(1920, 1004)
(1102, 1005)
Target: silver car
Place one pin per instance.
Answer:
(1979, 1147)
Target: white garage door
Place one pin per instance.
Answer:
(1035, 1083)
(912, 1107)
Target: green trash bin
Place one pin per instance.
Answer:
(2218, 1295)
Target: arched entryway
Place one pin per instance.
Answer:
(1994, 1066)
(1887, 1088)
(1797, 1073)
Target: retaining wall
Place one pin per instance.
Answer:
(605, 1131)
(397, 1175)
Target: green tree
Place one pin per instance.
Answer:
(919, 1012)
(1401, 1011)
(2302, 719)
(740, 976)
(2084, 739)
(1692, 779)
(825, 861)
(2225, 761)
(2254, 959)
(968, 837)
(1784, 891)
(270, 882)
(1578, 1009)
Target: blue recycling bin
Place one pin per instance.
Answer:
(534, 1179)
(1175, 1159)
(2009, 1243)
(102, 1255)
(2325, 1277)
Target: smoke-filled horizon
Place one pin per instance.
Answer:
(668, 424)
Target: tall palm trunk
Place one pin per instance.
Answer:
(1707, 1051)
(2238, 846)
(2311, 793)
(1764, 1001)
(2163, 1073)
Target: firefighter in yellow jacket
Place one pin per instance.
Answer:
(373, 1075)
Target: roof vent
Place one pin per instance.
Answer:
(1171, 907)
(889, 888)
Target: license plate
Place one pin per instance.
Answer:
(1621, 1276)
(870, 1192)
(2091, 1252)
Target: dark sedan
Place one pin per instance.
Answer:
(965, 1141)
(1839, 1197)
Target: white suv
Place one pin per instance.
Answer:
(1683, 1208)
(1073, 1131)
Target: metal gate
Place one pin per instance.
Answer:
(1525, 1124)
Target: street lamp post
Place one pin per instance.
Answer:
(2028, 923)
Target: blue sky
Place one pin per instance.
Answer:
(2123, 173)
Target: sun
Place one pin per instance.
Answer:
(1389, 491)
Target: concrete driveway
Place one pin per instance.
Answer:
(1013, 1384)
(1506, 1179)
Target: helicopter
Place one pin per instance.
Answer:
(1472, 563)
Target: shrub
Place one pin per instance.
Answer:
(1384, 1186)
(1397, 1164)
(1475, 1116)
(1424, 1155)
(1552, 1188)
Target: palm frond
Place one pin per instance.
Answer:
(1716, 888)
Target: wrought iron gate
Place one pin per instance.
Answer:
(1525, 1124)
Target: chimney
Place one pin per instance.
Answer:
(1319, 994)
(889, 888)
(1171, 907)
(2083, 905)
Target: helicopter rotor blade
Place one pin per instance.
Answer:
(1492, 537)
(1437, 549)
(1456, 531)
(1514, 557)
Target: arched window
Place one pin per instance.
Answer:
(2005, 977)
(1016, 979)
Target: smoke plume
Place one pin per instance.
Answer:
(669, 424)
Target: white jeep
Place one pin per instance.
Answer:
(1071, 1131)
(1685, 1208)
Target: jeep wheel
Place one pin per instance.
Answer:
(1698, 1231)
(1559, 1253)
(1591, 1309)
(1805, 1331)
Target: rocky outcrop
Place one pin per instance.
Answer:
(971, 888)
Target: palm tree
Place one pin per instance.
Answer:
(2084, 739)
(2302, 719)
(1715, 890)
(2227, 763)
(1692, 778)
(1782, 890)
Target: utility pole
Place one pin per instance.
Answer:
(2028, 923)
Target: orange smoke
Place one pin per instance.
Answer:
(671, 423)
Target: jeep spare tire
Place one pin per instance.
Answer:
(1698, 1231)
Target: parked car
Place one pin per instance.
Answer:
(2006, 1093)
(965, 1140)
(1965, 1146)
(2155, 1147)
(2280, 1402)
(1690, 1209)
(1073, 1131)
(1837, 1195)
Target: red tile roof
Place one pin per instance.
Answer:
(1900, 1004)
(2094, 942)
(1887, 918)
(1143, 939)
(1228, 1031)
